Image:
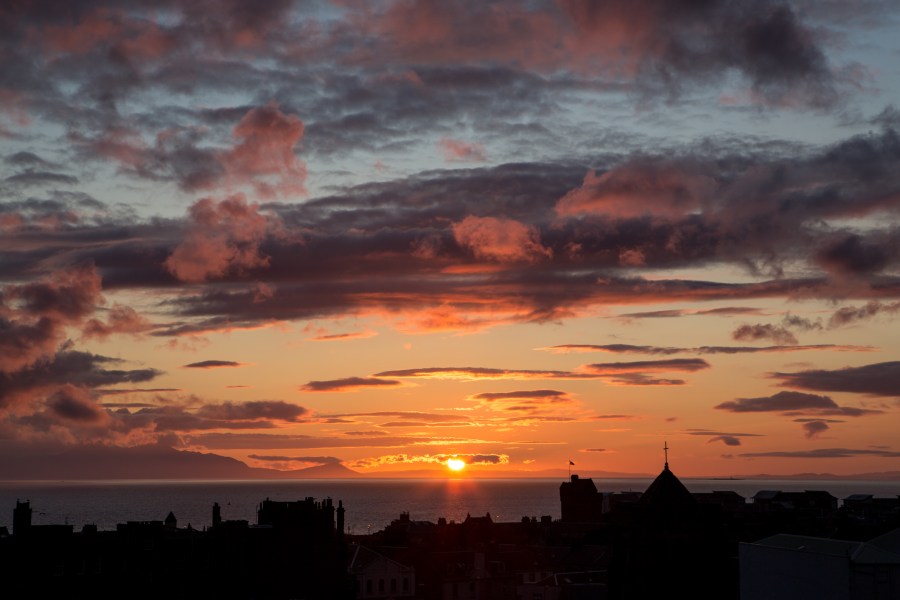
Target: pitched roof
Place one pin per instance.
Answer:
(667, 492)
(863, 553)
(363, 557)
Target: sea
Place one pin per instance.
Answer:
(370, 504)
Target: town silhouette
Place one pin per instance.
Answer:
(664, 542)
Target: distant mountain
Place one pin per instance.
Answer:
(326, 471)
(146, 462)
(162, 462)
(879, 476)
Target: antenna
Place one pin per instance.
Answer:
(666, 450)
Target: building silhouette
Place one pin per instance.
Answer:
(295, 550)
(669, 544)
(579, 500)
(662, 542)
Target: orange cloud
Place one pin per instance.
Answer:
(639, 189)
(222, 237)
(121, 319)
(501, 240)
(456, 150)
(264, 155)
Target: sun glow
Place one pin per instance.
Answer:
(456, 464)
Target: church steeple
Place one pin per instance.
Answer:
(667, 492)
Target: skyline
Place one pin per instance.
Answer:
(519, 234)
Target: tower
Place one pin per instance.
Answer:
(22, 518)
(340, 518)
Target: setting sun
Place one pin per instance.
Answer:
(456, 464)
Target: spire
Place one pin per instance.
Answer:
(666, 450)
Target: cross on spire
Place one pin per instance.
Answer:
(666, 450)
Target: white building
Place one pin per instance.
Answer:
(787, 567)
(378, 576)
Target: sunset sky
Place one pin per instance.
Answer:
(520, 233)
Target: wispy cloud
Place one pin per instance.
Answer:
(826, 453)
(726, 437)
(689, 365)
(213, 364)
(349, 384)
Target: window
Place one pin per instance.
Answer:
(393, 585)
(381, 586)
(406, 584)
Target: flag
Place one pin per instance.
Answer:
(571, 464)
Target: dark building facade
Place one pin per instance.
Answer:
(579, 500)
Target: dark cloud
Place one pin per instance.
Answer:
(852, 255)
(212, 364)
(80, 369)
(122, 391)
(343, 336)
(643, 379)
(593, 450)
(667, 47)
(253, 410)
(484, 459)
(676, 364)
(879, 379)
(847, 315)
(258, 414)
(39, 314)
(728, 440)
(668, 350)
(776, 333)
(814, 428)
(788, 402)
(706, 432)
(29, 160)
(257, 441)
(727, 311)
(348, 384)
(888, 118)
(29, 178)
(74, 404)
(549, 395)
